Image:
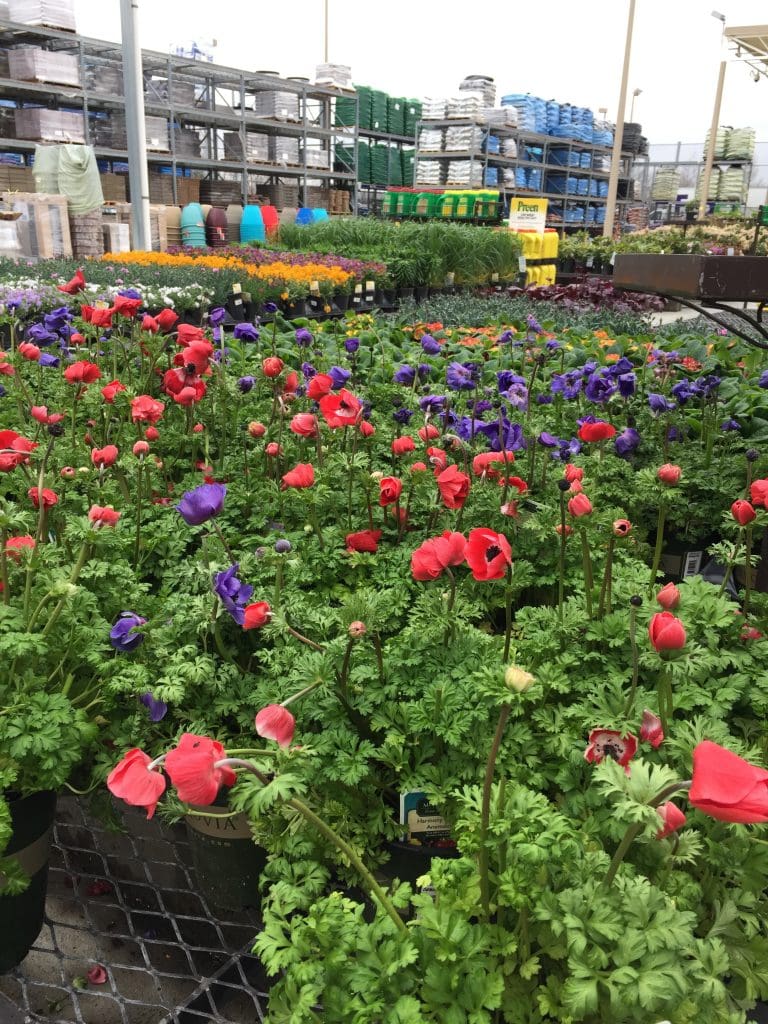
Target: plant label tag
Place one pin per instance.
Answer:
(613, 258)
(237, 288)
(730, 250)
(314, 287)
(590, 262)
(494, 278)
(358, 289)
(692, 564)
(521, 264)
(238, 301)
(370, 286)
(423, 821)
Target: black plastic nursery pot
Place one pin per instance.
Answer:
(22, 914)
(226, 860)
(409, 861)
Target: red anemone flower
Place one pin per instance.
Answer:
(610, 743)
(390, 489)
(302, 475)
(434, 556)
(74, 285)
(134, 782)
(192, 768)
(82, 372)
(488, 554)
(453, 486)
(342, 409)
(363, 541)
(274, 722)
(726, 787)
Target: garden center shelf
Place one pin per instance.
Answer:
(251, 129)
(571, 174)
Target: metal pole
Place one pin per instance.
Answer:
(710, 155)
(618, 138)
(325, 47)
(133, 79)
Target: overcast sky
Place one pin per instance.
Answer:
(567, 50)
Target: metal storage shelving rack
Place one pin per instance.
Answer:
(222, 97)
(525, 141)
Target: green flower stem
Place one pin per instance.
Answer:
(728, 573)
(449, 605)
(485, 812)
(586, 560)
(315, 522)
(223, 540)
(379, 656)
(85, 551)
(635, 658)
(634, 830)
(659, 545)
(508, 611)
(4, 565)
(300, 694)
(137, 538)
(350, 477)
(278, 581)
(666, 699)
(373, 887)
(561, 561)
(303, 639)
(605, 590)
(747, 569)
(344, 674)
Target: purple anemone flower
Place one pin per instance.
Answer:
(599, 389)
(233, 594)
(217, 316)
(245, 384)
(402, 416)
(46, 359)
(351, 345)
(339, 376)
(627, 441)
(158, 709)
(303, 337)
(203, 503)
(659, 404)
(245, 332)
(405, 375)
(429, 345)
(124, 636)
(462, 376)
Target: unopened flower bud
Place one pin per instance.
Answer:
(564, 485)
(67, 472)
(55, 429)
(357, 629)
(282, 546)
(518, 679)
(751, 454)
(636, 601)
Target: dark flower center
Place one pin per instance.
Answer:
(614, 750)
(492, 552)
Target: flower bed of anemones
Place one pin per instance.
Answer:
(407, 596)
